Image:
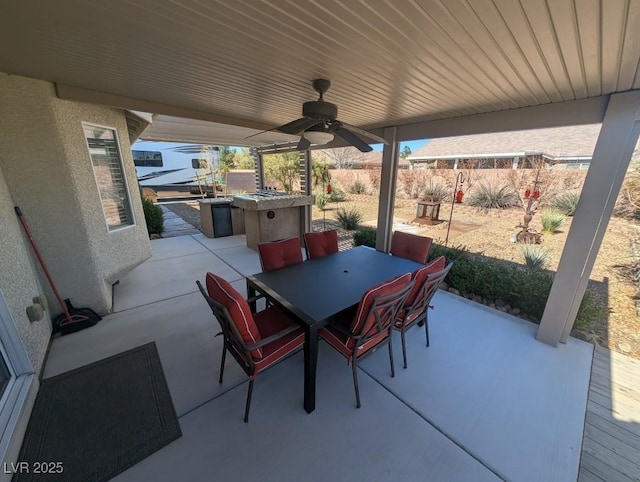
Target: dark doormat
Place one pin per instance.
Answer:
(100, 419)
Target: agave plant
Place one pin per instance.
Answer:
(566, 202)
(490, 196)
(535, 258)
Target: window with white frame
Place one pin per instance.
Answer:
(107, 167)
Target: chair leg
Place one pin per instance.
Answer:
(249, 393)
(393, 368)
(404, 348)
(354, 368)
(224, 356)
(426, 328)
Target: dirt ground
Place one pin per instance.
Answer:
(488, 233)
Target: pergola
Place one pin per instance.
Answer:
(223, 70)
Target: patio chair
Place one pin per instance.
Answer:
(416, 307)
(257, 341)
(321, 243)
(370, 328)
(278, 254)
(410, 246)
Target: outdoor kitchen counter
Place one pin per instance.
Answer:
(272, 216)
(259, 202)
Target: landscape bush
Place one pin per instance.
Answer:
(153, 216)
(357, 187)
(365, 236)
(336, 195)
(349, 218)
(322, 198)
(551, 221)
(535, 258)
(492, 196)
(435, 190)
(566, 202)
(517, 286)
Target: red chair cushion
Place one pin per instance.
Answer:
(321, 244)
(278, 254)
(363, 320)
(341, 342)
(420, 276)
(269, 322)
(221, 291)
(410, 246)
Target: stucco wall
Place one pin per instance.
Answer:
(19, 280)
(49, 174)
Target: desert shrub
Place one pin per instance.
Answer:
(365, 236)
(435, 190)
(591, 311)
(153, 216)
(349, 218)
(566, 202)
(535, 258)
(518, 286)
(551, 221)
(374, 179)
(491, 196)
(628, 202)
(322, 198)
(336, 195)
(357, 187)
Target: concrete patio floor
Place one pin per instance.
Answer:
(485, 401)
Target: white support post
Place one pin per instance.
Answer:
(617, 139)
(388, 178)
(308, 188)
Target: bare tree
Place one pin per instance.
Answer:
(343, 157)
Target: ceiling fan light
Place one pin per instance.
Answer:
(318, 138)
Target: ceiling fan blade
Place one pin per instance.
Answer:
(350, 137)
(364, 133)
(261, 132)
(304, 144)
(299, 125)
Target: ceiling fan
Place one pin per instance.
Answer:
(319, 124)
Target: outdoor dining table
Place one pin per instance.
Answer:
(318, 289)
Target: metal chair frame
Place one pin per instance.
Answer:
(234, 344)
(421, 305)
(384, 309)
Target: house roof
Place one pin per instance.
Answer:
(559, 142)
(397, 64)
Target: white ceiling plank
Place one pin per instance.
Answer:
(590, 31)
(391, 62)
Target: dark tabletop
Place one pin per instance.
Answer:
(319, 288)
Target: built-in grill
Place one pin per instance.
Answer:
(269, 192)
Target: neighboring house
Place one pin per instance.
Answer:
(68, 166)
(352, 158)
(560, 147)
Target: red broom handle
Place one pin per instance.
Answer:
(42, 264)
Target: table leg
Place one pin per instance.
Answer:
(310, 364)
(251, 292)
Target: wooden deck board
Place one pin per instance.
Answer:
(611, 443)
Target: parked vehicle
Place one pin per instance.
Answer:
(173, 166)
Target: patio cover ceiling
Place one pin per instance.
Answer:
(249, 64)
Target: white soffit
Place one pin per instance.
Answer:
(391, 63)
